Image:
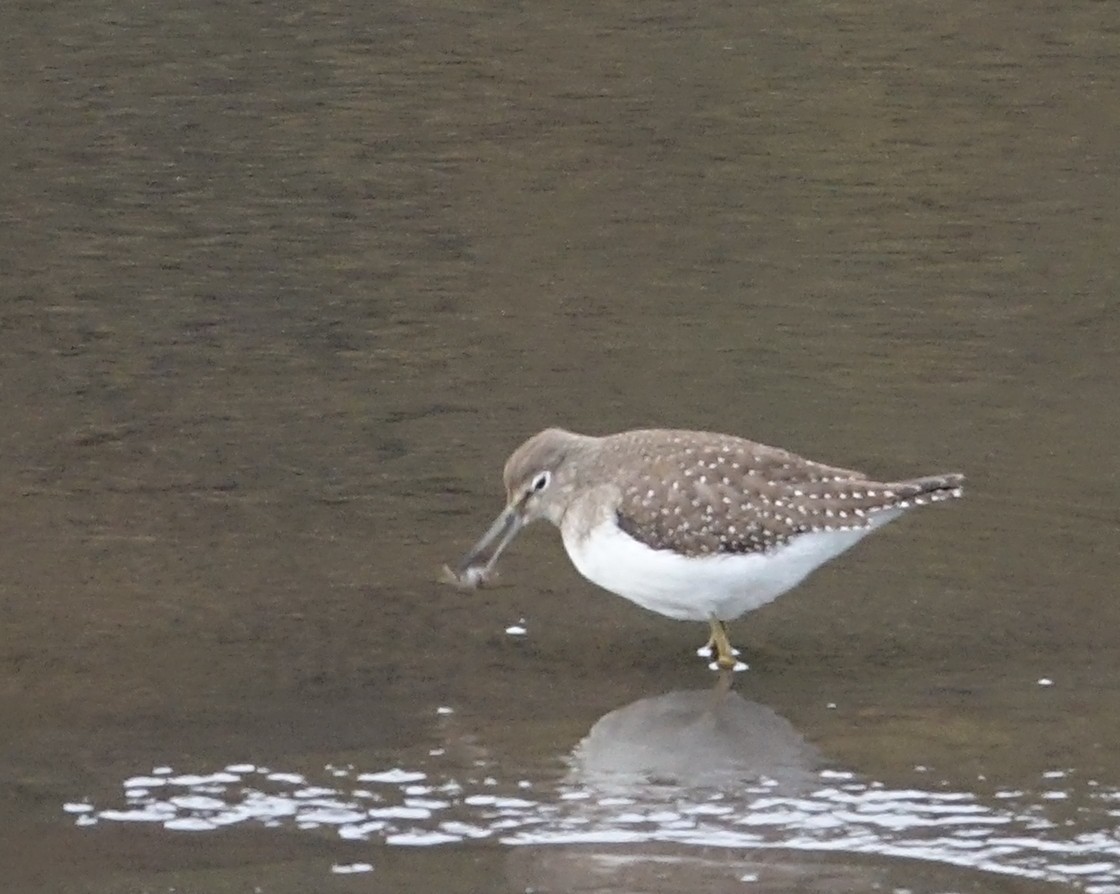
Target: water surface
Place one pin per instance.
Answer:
(283, 286)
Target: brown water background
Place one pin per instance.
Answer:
(281, 285)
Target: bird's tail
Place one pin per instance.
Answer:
(928, 489)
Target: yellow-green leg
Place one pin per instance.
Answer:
(719, 646)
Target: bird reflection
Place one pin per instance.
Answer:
(661, 780)
(699, 739)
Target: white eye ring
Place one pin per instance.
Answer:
(541, 482)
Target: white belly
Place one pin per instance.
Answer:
(698, 589)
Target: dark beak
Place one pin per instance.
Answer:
(475, 567)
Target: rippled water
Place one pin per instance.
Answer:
(701, 768)
(283, 284)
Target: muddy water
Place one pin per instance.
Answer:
(283, 284)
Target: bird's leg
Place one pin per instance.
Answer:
(725, 652)
(719, 645)
(707, 650)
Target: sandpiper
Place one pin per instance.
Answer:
(693, 525)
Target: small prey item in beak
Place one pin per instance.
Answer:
(476, 568)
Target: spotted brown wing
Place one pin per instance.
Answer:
(718, 494)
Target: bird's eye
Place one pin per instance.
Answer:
(541, 481)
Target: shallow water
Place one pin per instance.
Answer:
(283, 286)
(694, 768)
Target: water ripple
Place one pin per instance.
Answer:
(686, 768)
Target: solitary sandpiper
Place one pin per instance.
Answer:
(693, 525)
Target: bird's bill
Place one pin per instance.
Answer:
(475, 567)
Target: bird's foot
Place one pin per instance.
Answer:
(719, 646)
(708, 650)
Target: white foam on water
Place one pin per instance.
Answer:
(392, 776)
(351, 868)
(829, 811)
